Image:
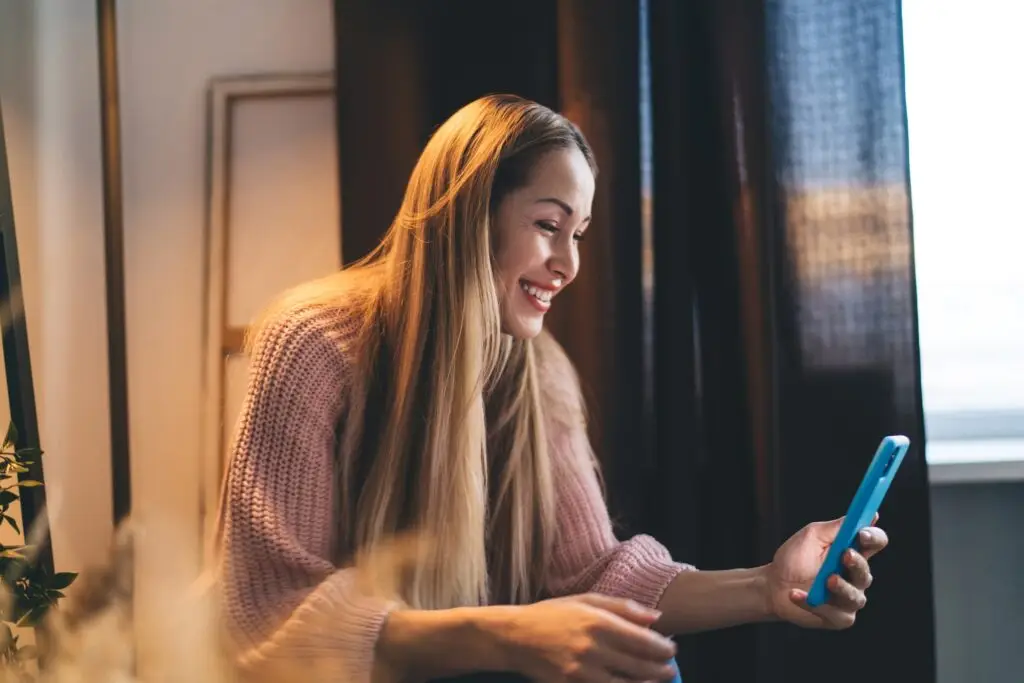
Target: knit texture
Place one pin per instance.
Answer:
(282, 595)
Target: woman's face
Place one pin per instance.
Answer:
(537, 230)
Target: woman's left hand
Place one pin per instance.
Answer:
(796, 563)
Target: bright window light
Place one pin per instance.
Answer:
(966, 126)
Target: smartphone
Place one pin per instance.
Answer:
(861, 512)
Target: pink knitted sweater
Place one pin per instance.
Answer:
(281, 593)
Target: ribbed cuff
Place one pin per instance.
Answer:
(332, 634)
(641, 571)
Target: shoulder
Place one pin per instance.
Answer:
(308, 333)
(559, 382)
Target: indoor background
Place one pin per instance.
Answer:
(804, 239)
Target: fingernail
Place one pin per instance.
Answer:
(865, 535)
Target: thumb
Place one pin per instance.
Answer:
(828, 530)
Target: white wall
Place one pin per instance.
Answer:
(49, 89)
(169, 50)
(48, 73)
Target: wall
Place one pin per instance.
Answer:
(979, 605)
(51, 108)
(170, 50)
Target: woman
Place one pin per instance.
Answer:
(418, 392)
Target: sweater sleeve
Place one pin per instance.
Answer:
(587, 555)
(283, 600)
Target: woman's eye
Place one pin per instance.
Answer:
(547, 226)
(579, 237)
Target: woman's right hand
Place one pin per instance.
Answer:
(592, 638)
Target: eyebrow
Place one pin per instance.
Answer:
(565, 207)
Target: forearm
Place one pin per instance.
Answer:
(417, 645)
(708, 600)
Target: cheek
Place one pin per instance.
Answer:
(518, 254)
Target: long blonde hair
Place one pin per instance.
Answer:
(444, 433)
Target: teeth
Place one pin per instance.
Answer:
(539, 294)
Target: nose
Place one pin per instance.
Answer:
(565, 261)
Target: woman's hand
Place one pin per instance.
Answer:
(590, 638)
(796, 563)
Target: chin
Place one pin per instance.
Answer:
(519, 318)
(520, 328)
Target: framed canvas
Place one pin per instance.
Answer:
(272, 221)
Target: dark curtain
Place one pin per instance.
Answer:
(744, 320)
(785, 289)
(849, 355)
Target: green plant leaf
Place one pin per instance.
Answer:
(29, 483)
(12, 435)
(13, 522)
(30, 452)
(33, 616)
(13, 553)
(62, 580)
(7, 497)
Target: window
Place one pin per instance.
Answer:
(965, 112)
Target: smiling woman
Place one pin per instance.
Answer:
(417, 393)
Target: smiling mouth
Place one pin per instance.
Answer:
(538, 296)
(543, 295)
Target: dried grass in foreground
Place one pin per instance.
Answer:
(108, 631)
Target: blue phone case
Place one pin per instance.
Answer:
(861, 512)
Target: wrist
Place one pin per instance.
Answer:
(761, 577)
(426, 644)
(493, 629)
(711, 599)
